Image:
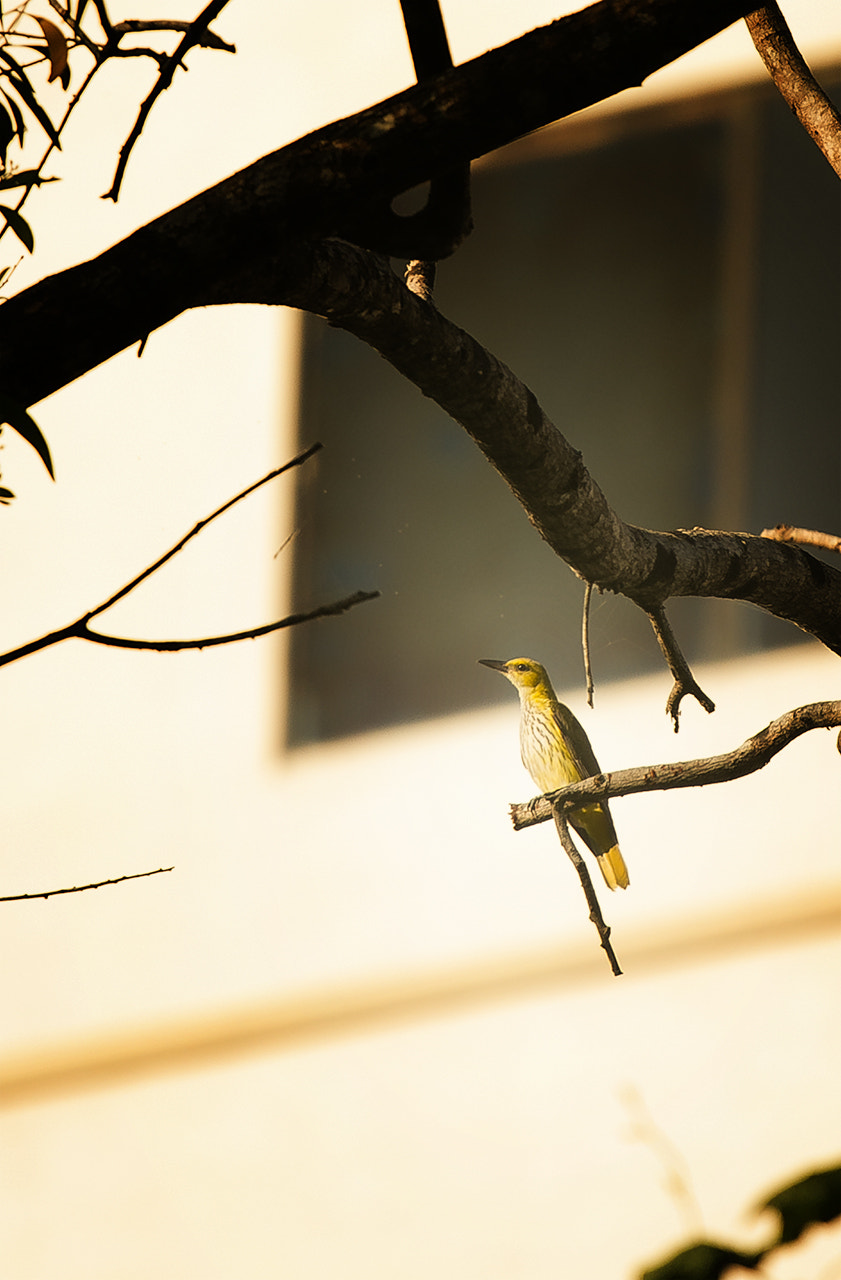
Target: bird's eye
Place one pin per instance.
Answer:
(521, 666)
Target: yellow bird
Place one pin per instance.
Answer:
(556, 751)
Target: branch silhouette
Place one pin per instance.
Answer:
(82, 888)
(81, 630)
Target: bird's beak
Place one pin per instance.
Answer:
(493, 664)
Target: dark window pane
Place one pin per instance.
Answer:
(609, 280)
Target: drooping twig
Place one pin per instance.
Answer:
(776, 47)
(807, 537)
(82, 888)
(685, 683)
(577, 861)
(585, 642)
(751, 756)
(192, 36)
(81, 630)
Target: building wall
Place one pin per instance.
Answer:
(361, 1028)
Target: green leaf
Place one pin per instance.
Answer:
(16, 416)
(815, 1198)
(25, 178)
(20, 226)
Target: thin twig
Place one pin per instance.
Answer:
(209, 642)
(577, 861)
(208, 40)
(685, 683)
(777, 49)
(807, 537)
(751, 756)
(81, 888)
(585, 642)
(297, 461)
(80, 630)
(192, 37)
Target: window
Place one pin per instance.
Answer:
(667, 283)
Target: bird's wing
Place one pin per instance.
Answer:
(577, 740)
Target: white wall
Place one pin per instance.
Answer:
(486, 1138)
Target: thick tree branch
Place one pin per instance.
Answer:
(787, 68)
(358, 292)
(748, 758)
(323, 183)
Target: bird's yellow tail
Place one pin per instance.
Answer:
(613, 868)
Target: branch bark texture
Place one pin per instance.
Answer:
(338, 181)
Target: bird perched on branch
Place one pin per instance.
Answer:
(556, 751)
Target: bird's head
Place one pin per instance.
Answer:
(524, 673)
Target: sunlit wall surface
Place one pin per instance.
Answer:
(361, 1028)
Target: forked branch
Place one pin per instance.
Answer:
(81, 629)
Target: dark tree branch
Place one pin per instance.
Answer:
(82, 888)
(578, 862)
(204, 39)
(361, 294)
(748, 758)
(81, 630)
(790, 73)
(194, 35)
(316, 186)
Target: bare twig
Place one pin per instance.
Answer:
(585, 642)
(577, 861)
(751, 756)
(685, 682)
(207, 40)
(81, 888)
(807, 537)
(777, 49)
(81, 630)
(192, 36)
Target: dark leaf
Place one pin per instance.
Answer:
(56, 47)
(20, 226)
(7, 132)
(815, 1198)
(702, 1261)
(20, 127)
(65, 78)
(16, 416)
(21, 86)
(6, 496)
